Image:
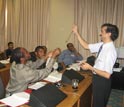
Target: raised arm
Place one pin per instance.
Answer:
(81, 40)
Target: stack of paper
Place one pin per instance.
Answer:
(75, 66)
(117, 69)
(4, 61)
(16, 99)
(55, 76)
(37, 85)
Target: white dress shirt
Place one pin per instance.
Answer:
(106, 58)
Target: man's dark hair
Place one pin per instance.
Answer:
(41, 47)
(17, 54)
(69, 44)
(113, 29)
(10, 43)
(38, 48)
(45, 49)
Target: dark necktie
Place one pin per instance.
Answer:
(99, 50)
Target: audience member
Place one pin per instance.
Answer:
(24, 72)
(69, 56)
(39, 53)
(9, 51)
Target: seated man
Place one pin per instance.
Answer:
(9, 51)
(69, 56)
(24, 72)
(39, 53)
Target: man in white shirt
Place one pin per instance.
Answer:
(105, 60)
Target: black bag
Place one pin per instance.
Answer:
(91, 60)
(68, 75)
(47, 96)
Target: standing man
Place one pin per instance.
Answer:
(105, 60)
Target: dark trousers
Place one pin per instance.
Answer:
(101, 91)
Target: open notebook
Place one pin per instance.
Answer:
(37, 85)
(16, 99)
(55, 76)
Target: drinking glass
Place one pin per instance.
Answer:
(75, 83)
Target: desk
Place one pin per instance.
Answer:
(81, 98)
(5, 75)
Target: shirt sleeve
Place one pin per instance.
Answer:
(95, 47)
(61, 57)
(79, 58)
(109, 62)
(35, 75)
(36, 64)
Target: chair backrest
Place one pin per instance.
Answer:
(2, 91)
(2, 56)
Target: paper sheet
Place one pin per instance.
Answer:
(55, 76)
(37, 85)
(75, 66)
(4, 61)
(16, 99)
(117, 69)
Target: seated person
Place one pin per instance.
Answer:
(69, 56)
(9, 51)
(24, 72)
(39, 53)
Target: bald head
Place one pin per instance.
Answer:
(19, 54)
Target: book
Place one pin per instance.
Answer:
(54, 76)
(37, 85)
(16, 99)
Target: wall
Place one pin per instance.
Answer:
(61, 21)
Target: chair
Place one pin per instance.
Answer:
(2, 92)
(2, 56)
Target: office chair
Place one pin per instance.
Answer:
(1, 89)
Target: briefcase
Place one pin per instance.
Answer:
(47, 96)
(68, 75)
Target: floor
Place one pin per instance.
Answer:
(116, 98)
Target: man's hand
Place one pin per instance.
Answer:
(49, 54)
(74, 29)
(86, 66)
(56, 52)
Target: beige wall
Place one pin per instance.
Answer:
(61, 21)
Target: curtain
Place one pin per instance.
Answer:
(89, 15)
(27, 22)
(2, 24)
